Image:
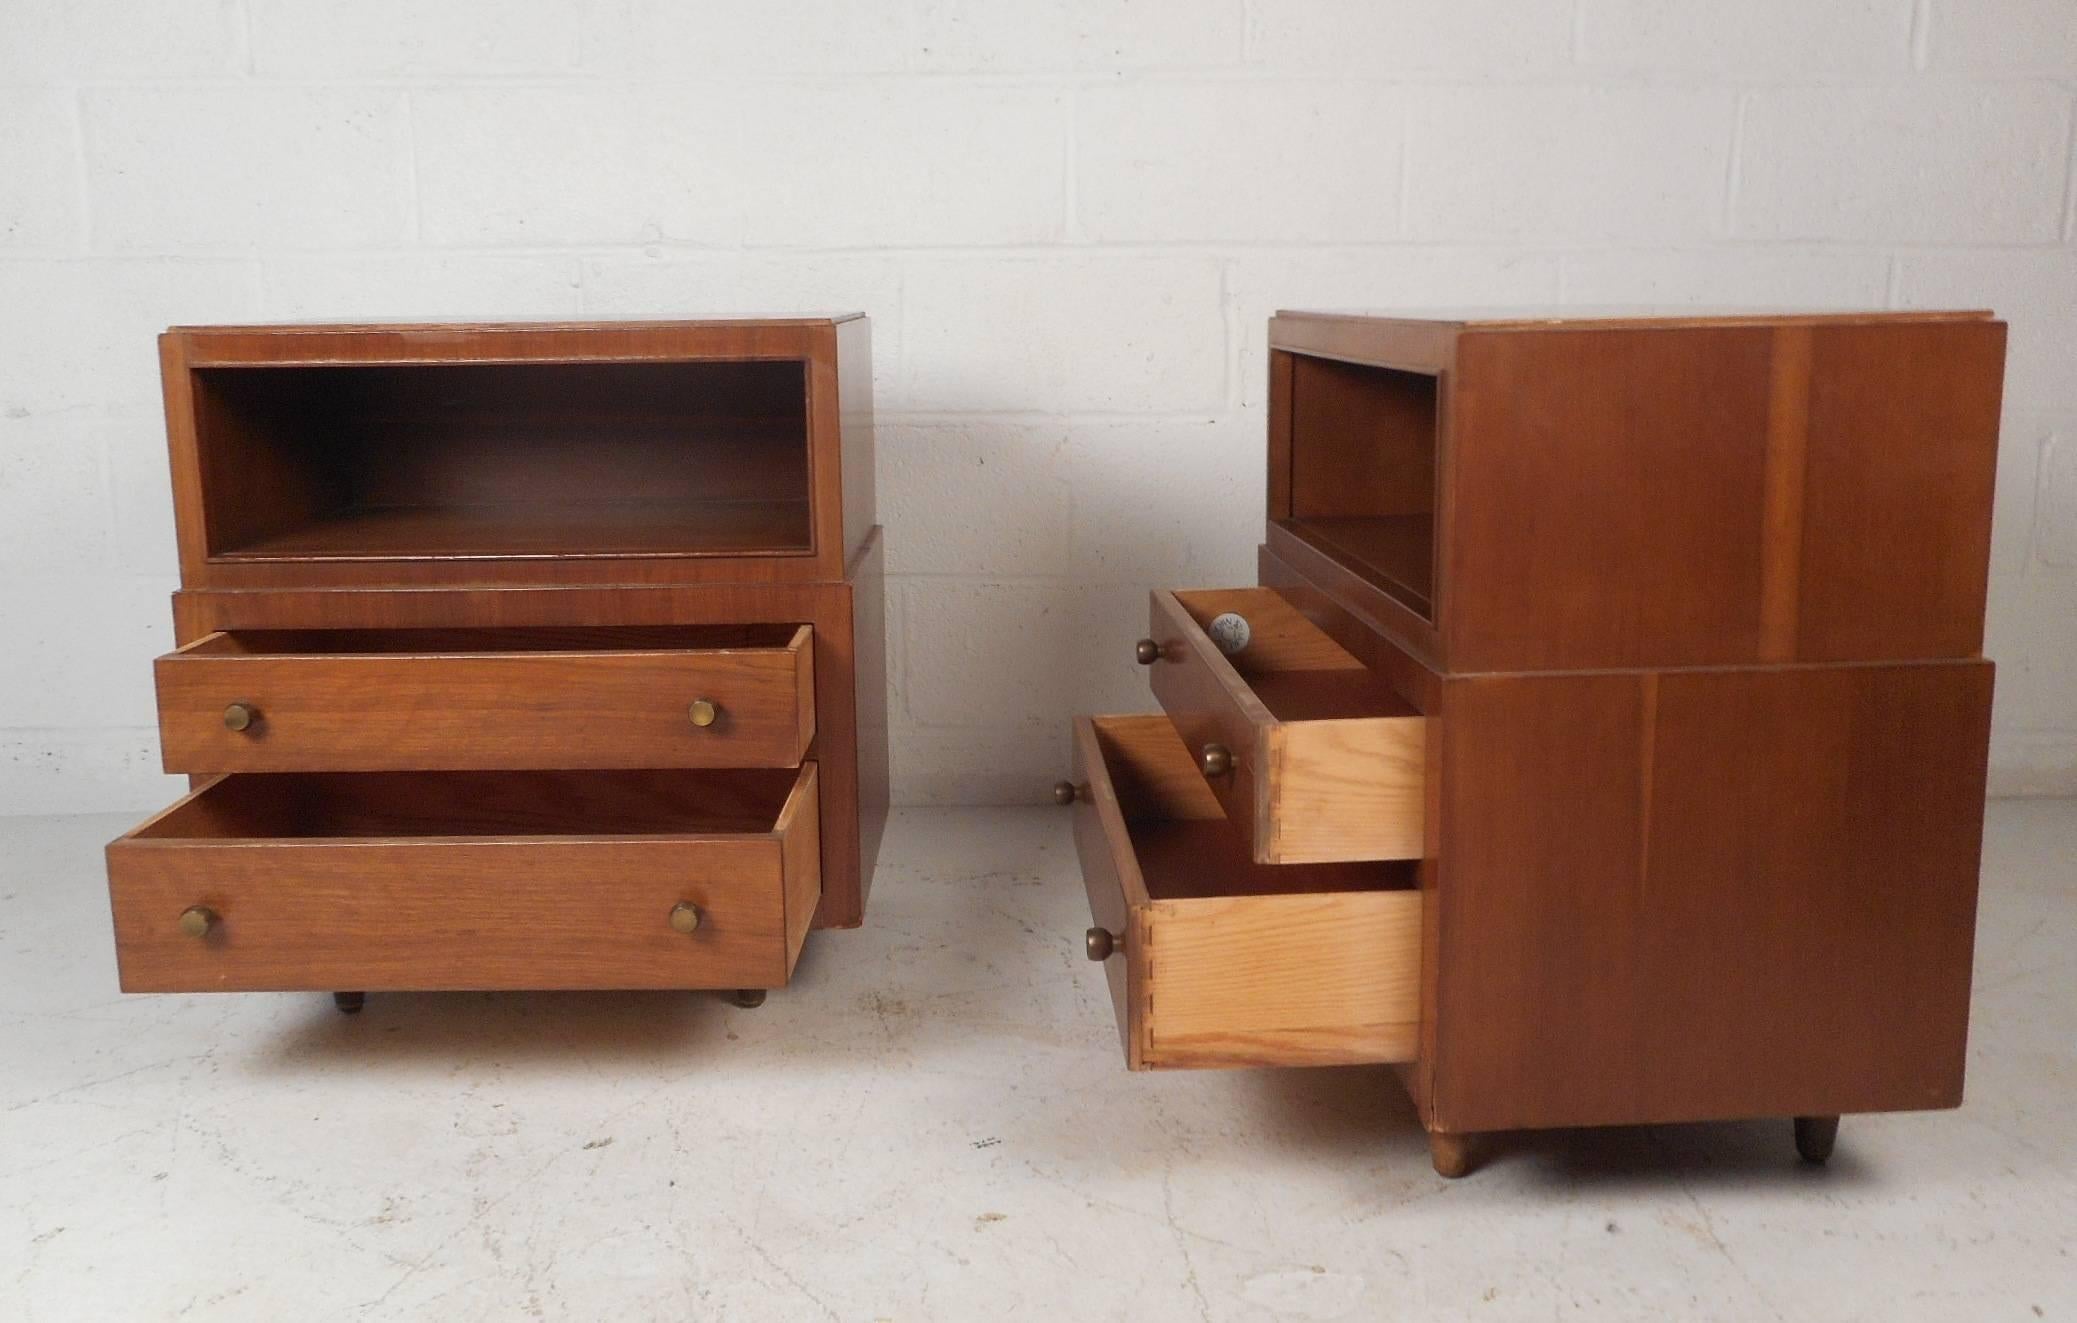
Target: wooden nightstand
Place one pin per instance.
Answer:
(1606, 741)
(513, 656)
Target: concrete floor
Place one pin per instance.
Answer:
(934, 1123)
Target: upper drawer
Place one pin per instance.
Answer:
(461, 699)
(415, 880)
(1315, 758)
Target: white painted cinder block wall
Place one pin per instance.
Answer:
(1069, 222)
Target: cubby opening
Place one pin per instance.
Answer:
(1362, 472)
(408, 461)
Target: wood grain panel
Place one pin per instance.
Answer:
(1363, 440)
(1741, 893)
(1897, 511)
(1538, 895)
(1788, 454)
(1321, 979)
(1347, 789)
(482, 706)
(372, 907)
(1598, 524)
(1844, 857)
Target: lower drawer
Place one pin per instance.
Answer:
(415, 880)
(1213, 959)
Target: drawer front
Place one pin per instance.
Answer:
(1204, 970)
(237, 703)
(461, 912)
(1312, 756)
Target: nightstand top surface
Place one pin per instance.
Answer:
(348, 327)
(1626, 316)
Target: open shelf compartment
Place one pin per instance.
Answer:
(1360, 477)
(410, 461)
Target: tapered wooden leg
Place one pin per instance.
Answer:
(349, 1003)
(1451, 1153)
(748, 998)
(1815, 1136)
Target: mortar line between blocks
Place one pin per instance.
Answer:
(82, 176)
(1581, 78)
(1734, 168)
(246, 30)
(1406, 152)
(1070, 202)
(412, 187)
(2069, 225)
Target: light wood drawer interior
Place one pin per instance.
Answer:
(1315, 757)
(439, 699)
(391, 880)
(1217, 960)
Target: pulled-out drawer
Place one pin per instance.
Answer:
(1315, 758)
(423, 880)
(1213, 959)
(440, 699)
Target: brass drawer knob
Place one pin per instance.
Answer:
(685, 917)
(240, 716)
(1146, 652)
(1216, 760)
(1102, 946)
(704, 711)
(197, 920)
(1063, 792)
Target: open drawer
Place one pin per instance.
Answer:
(435, 699)
(457, 880)
(1314, 756)
(1214, 960)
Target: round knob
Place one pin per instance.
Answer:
(240, 716)
(197, 920)
(1063, 792)
(1146, 652)
(685, 917)
(1101, 944)
(1216, 760)
(703, 712)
